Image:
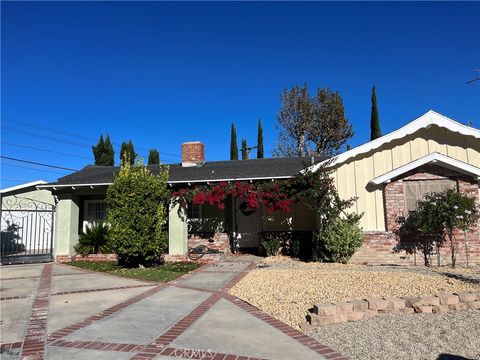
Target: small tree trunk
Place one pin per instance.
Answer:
(425, 253)
(452, 247)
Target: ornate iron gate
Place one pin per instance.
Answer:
(26, 230)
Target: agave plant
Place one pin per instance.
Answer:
(94, 240)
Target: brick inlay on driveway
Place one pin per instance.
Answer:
(187, 328)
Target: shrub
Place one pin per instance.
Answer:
(94, 240)
(138, 201)
(271, 246)
(338, 240)
(435, 220)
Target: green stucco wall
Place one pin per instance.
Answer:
(66, 225)
(177, 231)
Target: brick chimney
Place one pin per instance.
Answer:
(193, 153)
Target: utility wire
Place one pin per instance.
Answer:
(82, 145)
(37, 163)
(32, 168)
(75, 135)
(44, 150)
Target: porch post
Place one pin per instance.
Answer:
(66, 225)
(177, 230)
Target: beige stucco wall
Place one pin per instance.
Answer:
(352, 177)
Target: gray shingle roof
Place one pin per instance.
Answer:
(209, 171)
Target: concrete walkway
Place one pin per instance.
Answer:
(53, 311)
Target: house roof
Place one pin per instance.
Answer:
(431, 118)
(438, 159)
(22, 186)
(254, 169)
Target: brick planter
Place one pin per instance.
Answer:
(90, 257)
(325, 314)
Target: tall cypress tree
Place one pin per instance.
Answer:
(127, 151)
(244, 149)
(98, 150)
(153, 157)
(233, 144)
(260, 140)
(375, 131)
(108, 155)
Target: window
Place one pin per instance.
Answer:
(194, 211)
(416, 190)
(95, 210)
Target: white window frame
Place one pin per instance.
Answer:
(85, 213)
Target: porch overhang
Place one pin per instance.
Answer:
(433, 158)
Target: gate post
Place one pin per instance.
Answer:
(66, 225)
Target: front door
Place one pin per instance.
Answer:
(248, 226)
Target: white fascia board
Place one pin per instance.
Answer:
(431, 118)
(436, 158)
(22, 186)
(49, 186)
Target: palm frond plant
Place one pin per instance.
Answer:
(94, 240)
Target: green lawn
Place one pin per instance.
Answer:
(161, 273)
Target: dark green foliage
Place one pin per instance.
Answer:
(375, 131)
(244, 149)
(103, 152)
(138, 203)
(332, 214)
(338, 240)
(127, 153)
(233, 144)
(153, 157)
(271, 246)
(311, 125)
(435, 221)
(260, 140)
(94, 240)
(163, 273)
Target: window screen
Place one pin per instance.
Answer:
(416, 190)
(96, 211)
(193, 211)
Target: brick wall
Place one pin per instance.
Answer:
(217, 241)
(193, 152)
(378, 246)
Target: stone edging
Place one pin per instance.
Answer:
(332, 313)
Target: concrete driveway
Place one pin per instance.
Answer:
(53, 311)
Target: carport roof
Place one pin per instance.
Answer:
(253, 169)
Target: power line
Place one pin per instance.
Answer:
(82, 145)
(74, 135)
(44, 150)
(32, 168)
(44, 137)
(37, 163)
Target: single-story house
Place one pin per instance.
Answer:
(386, 175)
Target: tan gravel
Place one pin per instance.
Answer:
(453, 335)
(286, 289)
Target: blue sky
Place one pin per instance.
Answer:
(164, 73)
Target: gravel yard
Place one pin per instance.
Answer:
(286, 288)
(409, 337)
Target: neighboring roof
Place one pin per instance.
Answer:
(22, 186)
(437, 159)
(431, 118)
(253, 169)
